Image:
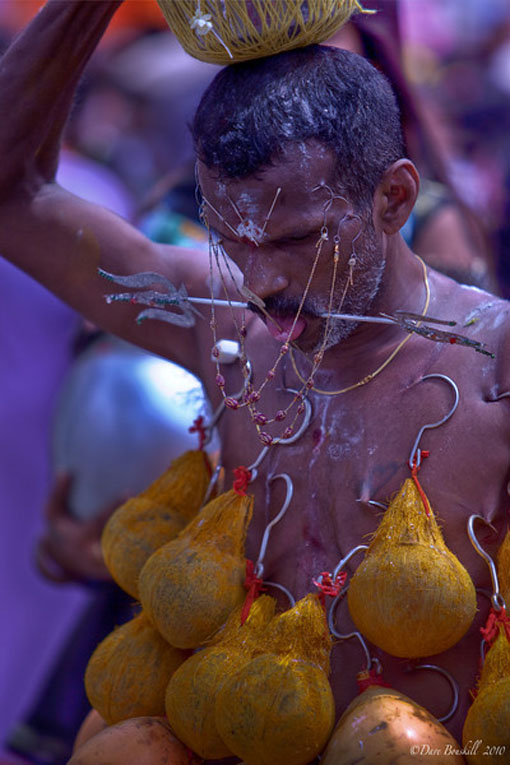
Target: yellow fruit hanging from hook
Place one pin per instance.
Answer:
(488, 718)
(503, 566)
(279, 707)
(192, 690)
(190, 586)
(410, 595)
(155, 516)
(128, 673)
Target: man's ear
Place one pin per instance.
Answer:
(396, 194)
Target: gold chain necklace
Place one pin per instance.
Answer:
(385, 363)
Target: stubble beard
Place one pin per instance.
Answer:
(367, 278)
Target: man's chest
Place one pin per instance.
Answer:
(355, 452)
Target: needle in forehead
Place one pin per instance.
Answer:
(235, 208)
(219, 215)
(268, 216)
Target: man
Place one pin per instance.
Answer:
(304, 181)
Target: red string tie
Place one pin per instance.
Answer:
(494, 621)
(327, 586)
(414, 473)
(369, 677)
(199, 427)
(253, 585)
(242, 479)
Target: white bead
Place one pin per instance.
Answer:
(229, 351)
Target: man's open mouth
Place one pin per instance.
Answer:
(282, 324)
(285, 328)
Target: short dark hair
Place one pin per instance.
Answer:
(253, 109)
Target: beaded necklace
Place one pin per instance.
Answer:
(251, 396)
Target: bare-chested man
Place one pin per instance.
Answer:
(289, 148)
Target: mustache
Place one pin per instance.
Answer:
(282, 305)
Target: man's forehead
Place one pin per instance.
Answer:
(297, 170)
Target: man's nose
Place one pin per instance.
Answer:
(265, 273)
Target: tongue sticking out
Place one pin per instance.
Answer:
(281, 332)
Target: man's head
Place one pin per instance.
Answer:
(252, 110)
(292, 147)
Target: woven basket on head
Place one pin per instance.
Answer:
(226, 31)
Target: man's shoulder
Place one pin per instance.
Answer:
(483, 317)
(471, 307)
(482, 309)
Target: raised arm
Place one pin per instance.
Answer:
(56, 237)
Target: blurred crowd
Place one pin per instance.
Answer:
(127, 146)
(457, 57)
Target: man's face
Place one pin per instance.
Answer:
(270, 225)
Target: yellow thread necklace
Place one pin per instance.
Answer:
(385, 363)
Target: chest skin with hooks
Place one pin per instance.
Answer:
(355, 450)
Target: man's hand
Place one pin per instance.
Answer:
(70, 549)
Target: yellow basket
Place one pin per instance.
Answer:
(227, 31)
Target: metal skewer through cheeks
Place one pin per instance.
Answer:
(164, 303)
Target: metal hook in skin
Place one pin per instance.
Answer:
(483, 644)
(347, 558)
(358, 234)
(497, 599)
(371, 661)
(282, 441)
(259, 565)
(342, 565)
(453, 685)
(212, 483)
(415, 456)
(332, 196)
(306, 421)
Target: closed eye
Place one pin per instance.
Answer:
(298, 237)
